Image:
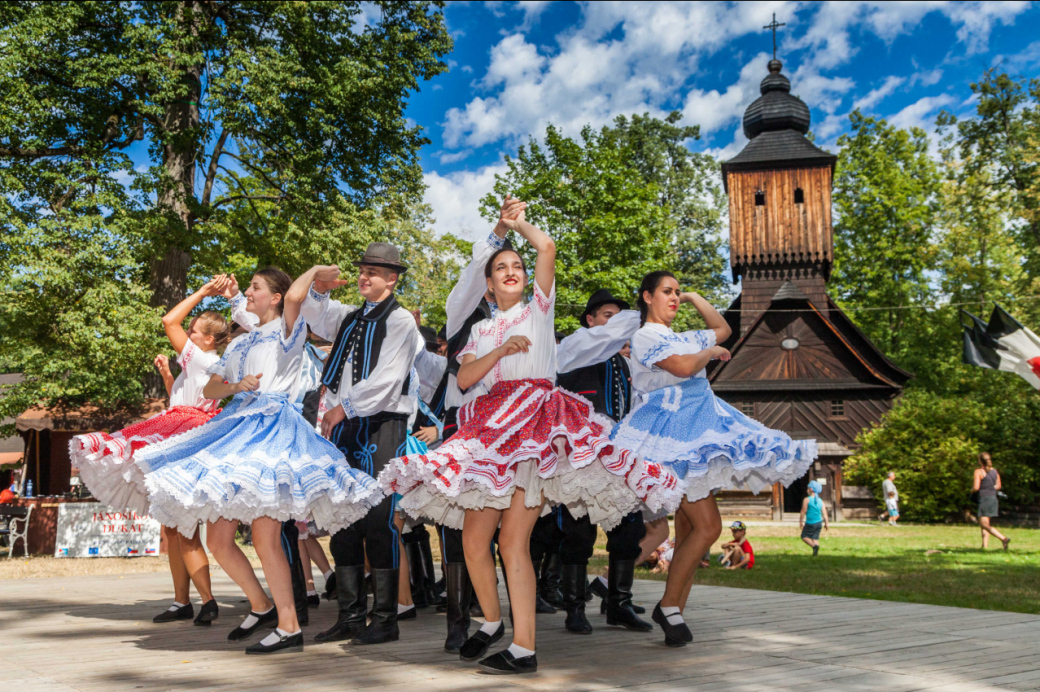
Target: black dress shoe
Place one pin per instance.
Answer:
(637, 609)
(313, 601)
(184, 612)
(263, 621)
(541, 606)
(286, 643)
(409, 614)
(477, 646)
(674, 635)
(596, 587)
(503, 663)
(474, 608)
(207, 613)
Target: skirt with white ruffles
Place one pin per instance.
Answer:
(708, 444)
(528, 434)
(258, 458)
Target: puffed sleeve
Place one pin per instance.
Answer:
(294, 337)
(242, 317)
(376, 392)
(430, 368)
(223, 366)
(592, 345)
(700, 339)
(193, 360)
(323, 314)
(650, 346)
(466, 294)
(471, 344)
(544, 303)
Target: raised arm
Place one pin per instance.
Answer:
(239, 315)
(173, 321)
(713, 319)
(545, 265)
(323, 314)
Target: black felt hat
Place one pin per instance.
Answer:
(382, 255)
(601, 297)
(429, 335)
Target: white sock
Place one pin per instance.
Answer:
(276, 635)
(602, 581)
(176, 606)
(401, 609)
(367, 574)
(519, 651)
(328, 575)
(253, 619)
(672, 614)
(312, 593)
(490, 627)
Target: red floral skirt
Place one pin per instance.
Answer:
(532, 435)
(105, 460)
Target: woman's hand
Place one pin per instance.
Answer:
(216, 286)
(427, 434)
(719, 353)
(162, 364)
(514, 344)
(512, 209)
(230, 286)
(687, 297)
(249, 383)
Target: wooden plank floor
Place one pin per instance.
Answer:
(95, 633)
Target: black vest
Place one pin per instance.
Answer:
(359, 340)
(605, 384)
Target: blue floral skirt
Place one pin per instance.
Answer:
(709, 445)
(257, 458)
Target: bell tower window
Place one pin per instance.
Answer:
(799, 196)
(760, 198)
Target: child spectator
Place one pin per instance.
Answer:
(892, 505)
(813, 518)
(738, 553)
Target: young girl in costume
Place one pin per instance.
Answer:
(258, 461)
(703, 441)
(106, 460)
(523, 442)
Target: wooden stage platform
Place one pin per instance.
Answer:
(95, 633)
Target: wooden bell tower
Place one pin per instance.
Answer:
(779, 190)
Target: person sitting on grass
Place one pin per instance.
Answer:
(813, 518)
(892, 506)
(738, 553)
(661, 558)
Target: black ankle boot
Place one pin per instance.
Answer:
(433, 595)
(619, 597)
(459, 595)
(573, 583)
(352, 601)
(551, 581)
(207, 613)
(416, 574)
(383, 627)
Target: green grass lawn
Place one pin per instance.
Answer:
(890, 564)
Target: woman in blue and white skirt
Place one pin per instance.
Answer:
(707, 444)
(258, 461)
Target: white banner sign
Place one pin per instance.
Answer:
(90, 529)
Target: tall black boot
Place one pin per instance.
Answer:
(352, 600)
(383, 627)
(460, 592)
(573, 583)
(416, 574)
(551, 580)
(619, 597)
(432, 595)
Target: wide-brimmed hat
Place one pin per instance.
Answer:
(601, 297)
(382, 255)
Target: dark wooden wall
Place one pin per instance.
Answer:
(760, 284)
(780, 230)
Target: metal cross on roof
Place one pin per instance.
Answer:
(774, 26)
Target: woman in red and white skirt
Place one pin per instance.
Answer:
(105, 460)
(524, 443)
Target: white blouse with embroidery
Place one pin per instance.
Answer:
(187, 388)
(269, 352)
(533, 320)
(655, 342)
(381, 391)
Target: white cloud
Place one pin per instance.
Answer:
(976, 20)
(455, 200)
(875, 96)
(921, 113)
(451, 157)
(927, 78)
(713, 111)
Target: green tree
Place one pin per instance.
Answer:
(619, 202)
(265, 125)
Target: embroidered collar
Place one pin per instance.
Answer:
(369, 306)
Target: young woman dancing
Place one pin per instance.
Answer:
(258, 461)
(106, 460)
(523, 442)
(703, 441)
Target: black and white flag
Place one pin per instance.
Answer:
(1003, 344)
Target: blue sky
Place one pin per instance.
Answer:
(518, 66)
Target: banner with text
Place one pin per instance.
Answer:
(90, 529)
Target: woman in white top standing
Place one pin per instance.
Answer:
(701, 440)
(524, 442)
(258, 461)
(105, 460)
